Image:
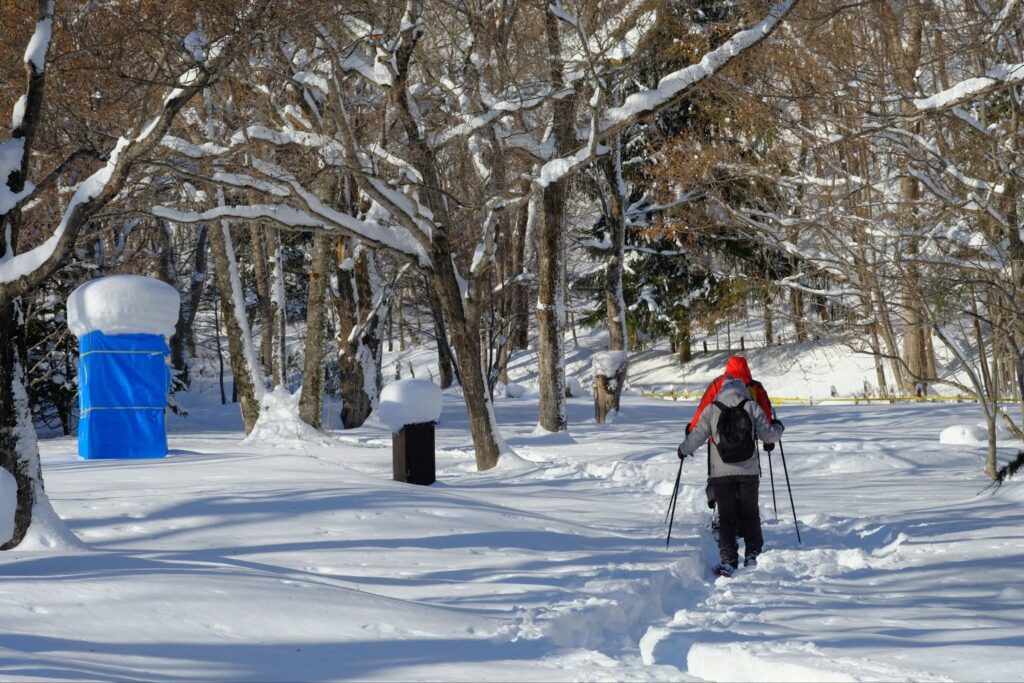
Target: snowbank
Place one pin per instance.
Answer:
(8, 504)
(123, 304)
(409, 401)
(964, 435)
(774, 662)
(514, 390)
(48, 532)
(279, 423)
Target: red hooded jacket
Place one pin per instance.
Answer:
(735, 368)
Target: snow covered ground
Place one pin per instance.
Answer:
(269, 562)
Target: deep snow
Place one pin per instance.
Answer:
(262, 561)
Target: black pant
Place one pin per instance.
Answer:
(737, 511)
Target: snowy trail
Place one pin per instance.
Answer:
(905, 573)
(230, 562)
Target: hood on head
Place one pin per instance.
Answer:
(737, 368)
(732, 392)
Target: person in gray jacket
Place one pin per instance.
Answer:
(733, 422)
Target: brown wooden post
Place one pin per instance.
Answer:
(412, 454)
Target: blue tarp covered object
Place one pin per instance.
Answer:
(123, 382)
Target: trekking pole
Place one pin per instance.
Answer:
(771, 477)
(782, 452)
(670, 514)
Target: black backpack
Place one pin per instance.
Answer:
(735, 440)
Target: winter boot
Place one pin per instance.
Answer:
(724, 569)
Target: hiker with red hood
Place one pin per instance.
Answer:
(734, 411)
(735, 368)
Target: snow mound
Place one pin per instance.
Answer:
(48, 532)
(513, 390)
(279, 423)
(788, 662)
(510, 462)
(574, 387)
(407, 402)
(964, 435)
(8, 504)
(123, 304)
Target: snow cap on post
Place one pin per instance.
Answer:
(407, 402)
(608, 363)
(124, 304)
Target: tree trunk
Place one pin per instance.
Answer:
(876, 352)
(264, 304)
(991, 459)
(168, 272)
(519, 324)
(358, 337)
(551, 312)
(278, 330)
(197, 283)
(444, 352)
(608, 390)
(551, 254)
(19, 453)
(466, 343)
(615, 220)
(684, 343)
(311, 402)
(796, 305)
(245, 368)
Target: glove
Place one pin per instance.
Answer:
(680, 453)
(779, 426)
(769, 447)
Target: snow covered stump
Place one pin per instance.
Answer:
(122, 323)
(609, 369)
(410, 407)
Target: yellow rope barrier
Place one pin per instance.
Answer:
(856, 400)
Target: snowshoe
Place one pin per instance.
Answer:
(750, 561)
(724, 569)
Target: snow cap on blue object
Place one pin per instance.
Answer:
(407, 402)
(122, 323)
(124, 304)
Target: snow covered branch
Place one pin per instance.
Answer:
(970, 89)
(20, 273)
(671, 89)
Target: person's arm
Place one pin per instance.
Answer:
(767, 430)
(700, 433)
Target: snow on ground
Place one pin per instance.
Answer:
(266, 562)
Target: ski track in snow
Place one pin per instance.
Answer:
(226, 562)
